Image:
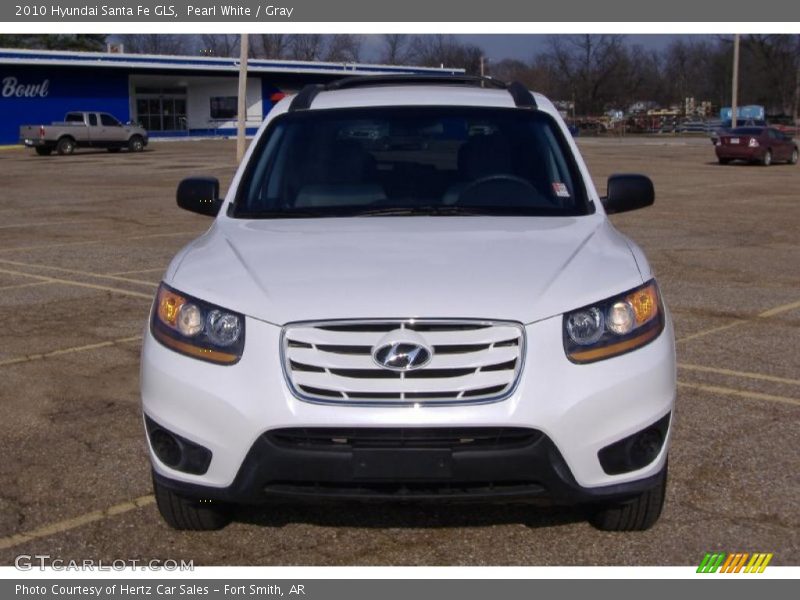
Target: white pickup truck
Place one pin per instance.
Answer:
(81, 129)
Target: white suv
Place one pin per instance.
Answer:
(410, 292)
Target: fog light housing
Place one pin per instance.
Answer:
(635, 451)
(176, 451)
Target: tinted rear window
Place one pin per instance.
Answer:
(748, 130)
(351, 161)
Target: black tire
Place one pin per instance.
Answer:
(793, 158)
(113, 150)
(66, 145)
(136, 143)
(766, 160)
(44, 150)
(724, 161)
(637, 514)
(190, 514)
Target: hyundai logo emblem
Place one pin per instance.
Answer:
(402, 356)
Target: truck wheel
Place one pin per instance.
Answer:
(44, 150)
(136, 144)
(793, 157)
(766, 160)
(637, 514)
(189, 514)
(66, 145)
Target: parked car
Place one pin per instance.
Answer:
(764, 145)
(451, 321)
(83, 130)
(726, 127)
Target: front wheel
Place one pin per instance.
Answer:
(636, 514)
(766, 160)
(189, 514)
(793, 157)
(136, 144)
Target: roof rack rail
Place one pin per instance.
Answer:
(305, 97)
(522, 96)
(412, 79)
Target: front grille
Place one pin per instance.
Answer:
(452, 438)
(472, 361)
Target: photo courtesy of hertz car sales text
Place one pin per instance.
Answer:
(411, 291)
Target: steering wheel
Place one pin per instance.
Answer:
(500, 177)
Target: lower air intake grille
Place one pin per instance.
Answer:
(453, 438)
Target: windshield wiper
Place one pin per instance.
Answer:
(432, 211)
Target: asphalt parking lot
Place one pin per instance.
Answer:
(85, 239)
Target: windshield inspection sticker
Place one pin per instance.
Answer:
(560, 189)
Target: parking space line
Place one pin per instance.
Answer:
(24, 285)
(706, 332)
(77, 272)
(47, 223)
(68, 524)
(746, 374)
(92, 286)
(762, 315)
(52, 353)
(779, 309)
(725, 391)
(157, 269)
(104, 241)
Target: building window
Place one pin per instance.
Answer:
(224, 107)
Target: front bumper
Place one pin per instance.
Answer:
(577, 409)
(522, 466)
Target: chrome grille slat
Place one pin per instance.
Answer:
(333, 360)
(474, 361)
(488, 335)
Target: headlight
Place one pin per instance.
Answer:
(196, 328)
(614, 326)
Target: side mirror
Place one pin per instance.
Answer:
(628, 192)
(199, 195)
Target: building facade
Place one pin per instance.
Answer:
(169, 95)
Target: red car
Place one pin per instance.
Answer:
(764, 145)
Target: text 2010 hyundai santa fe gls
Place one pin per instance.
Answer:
(411, 291)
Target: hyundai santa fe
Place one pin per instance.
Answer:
(411, 292)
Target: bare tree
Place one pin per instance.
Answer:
(157, 43)
(220, 44)
(307, 46)
(343, 48)
(270, 45)
(396, 49)
(587, 66)
(445, 50)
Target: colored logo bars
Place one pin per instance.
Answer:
(734, 563)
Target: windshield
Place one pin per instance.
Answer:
(411, 161)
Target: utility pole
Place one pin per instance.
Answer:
(241, 110)
(735, 90)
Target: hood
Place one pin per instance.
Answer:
(517, 268)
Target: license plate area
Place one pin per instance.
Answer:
(734, 140)
(397, 465)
